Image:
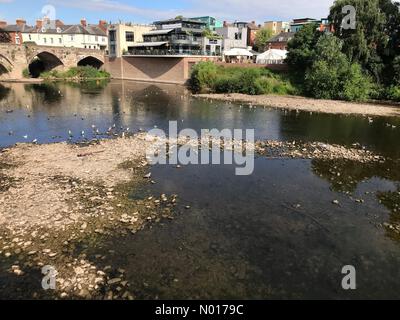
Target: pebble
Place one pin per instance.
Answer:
(114, 281)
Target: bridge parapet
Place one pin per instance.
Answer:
(15, 58)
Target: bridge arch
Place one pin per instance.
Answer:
(91, 61)
(5, 65)
(42, 62)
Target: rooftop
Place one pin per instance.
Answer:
(282, 37)
(61, 28)
(179, 20)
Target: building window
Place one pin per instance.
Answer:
(51, 40)
(96, 38)
(129, 36)
(112, 35)
(238, 36)
(72, 38)
(112, 50)
(59, 40)
(103, 39)
(17, 39)
(45, 40)
(30, 37)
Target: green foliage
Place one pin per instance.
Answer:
(262, 37)
(393, 93)
(375, 42)
(26, 73)
(76, 73)
(206, 76)
(396, 71)
(208, 33)
(332, 76)
(301, 49)
(203, 76)
(356, 86)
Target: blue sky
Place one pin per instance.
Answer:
(71, 11)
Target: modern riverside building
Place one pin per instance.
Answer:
(211, 22)
(277, 26)
(298, 24)
(123, 36)
(180, 36)
(234, 35)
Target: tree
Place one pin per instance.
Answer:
(301, 49)
(4, 36)
(374, 42)
(333, 76)
(323, 78)
(262, 37)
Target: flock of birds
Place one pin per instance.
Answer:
(112, 131)
(388, 125)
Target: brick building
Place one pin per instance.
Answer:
(280, 41)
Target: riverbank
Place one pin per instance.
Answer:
(307, 104)
(23, 80)
(60, 200)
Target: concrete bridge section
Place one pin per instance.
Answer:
(162, 69)
(16, 58)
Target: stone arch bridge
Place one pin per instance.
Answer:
(14, 59)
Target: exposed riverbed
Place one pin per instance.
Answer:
(324, 194)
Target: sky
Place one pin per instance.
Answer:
(145, 11)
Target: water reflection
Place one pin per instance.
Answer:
(275, 234)
(77, 107)
(4, 91)
(346, 175)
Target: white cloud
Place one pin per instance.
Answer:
(259, 10)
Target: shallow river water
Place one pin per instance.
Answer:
(273, 234)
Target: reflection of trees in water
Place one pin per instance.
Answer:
(155, 99)
(344, 175)
(4, 92)
(92, 86)
(44, 92)
(391, 200)
(343, 129)
(154, 96)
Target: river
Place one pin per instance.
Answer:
(273, 234)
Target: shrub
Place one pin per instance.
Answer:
(81, 72)
(393, 93)
(356, 86)
(203, 76)
(322, 81)
(26, 73)
(247, 81)
(227, 84)
(206, 76)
